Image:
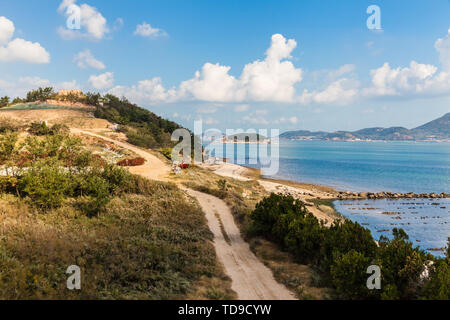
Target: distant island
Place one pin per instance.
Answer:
(436, 130)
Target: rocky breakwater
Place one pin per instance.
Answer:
(389, 195)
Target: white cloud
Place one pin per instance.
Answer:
(339, 92)
(19, 49)
(118, 24)
(416, 80)
(102, 81)
(442, 45)
(241, 108)
(345, 69)
(146, 30)
(212, 83)
(34, 82)
(85, 59)
(146, 92)
(6, 30)
(272, 79)
(91, 20)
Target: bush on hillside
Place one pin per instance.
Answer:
(344, 251)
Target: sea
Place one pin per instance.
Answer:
(419, 167)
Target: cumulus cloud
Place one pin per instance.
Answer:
(85, 60)
(271, 79)
(339, 92)
(146, 30)
(19, 49)
(146, 92)
(442, 45)
(416, 80)
(91, 20)
(102, 81)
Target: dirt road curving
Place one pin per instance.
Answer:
(153, 168)
(251, 279)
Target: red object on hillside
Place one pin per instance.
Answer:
(184, 166)
(131, 162)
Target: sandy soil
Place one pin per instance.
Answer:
(251, 279)
(72, 118)
(153, 168)
(240, 173)
(229, 170)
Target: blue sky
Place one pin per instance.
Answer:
(260, 64)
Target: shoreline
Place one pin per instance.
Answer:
(319, 199)
(241, 172)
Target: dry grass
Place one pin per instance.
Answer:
(301, 279)
(154, 246)
(241, 197)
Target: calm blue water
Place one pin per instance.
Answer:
(371, 166)
(426, 221)
(359, 166)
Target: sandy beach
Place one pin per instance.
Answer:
(303, 192)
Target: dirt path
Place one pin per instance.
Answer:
(251, 279)
(153, 168)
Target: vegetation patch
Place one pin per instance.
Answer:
(343, 252)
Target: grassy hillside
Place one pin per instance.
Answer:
(61, 205)
(142, 127)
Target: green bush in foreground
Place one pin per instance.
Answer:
(344, 251)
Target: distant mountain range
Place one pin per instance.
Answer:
(436, 130)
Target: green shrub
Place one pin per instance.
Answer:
(116, 177)
(8, 184)
(343, 237)
(349, 277)
(304, 237)
(401, 266)
(98, 191)
(438, 286)
(46, 183)
(271, 216)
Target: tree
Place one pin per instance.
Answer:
(93, 99)
(17, 100)
(41, 94)
(4, 101)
